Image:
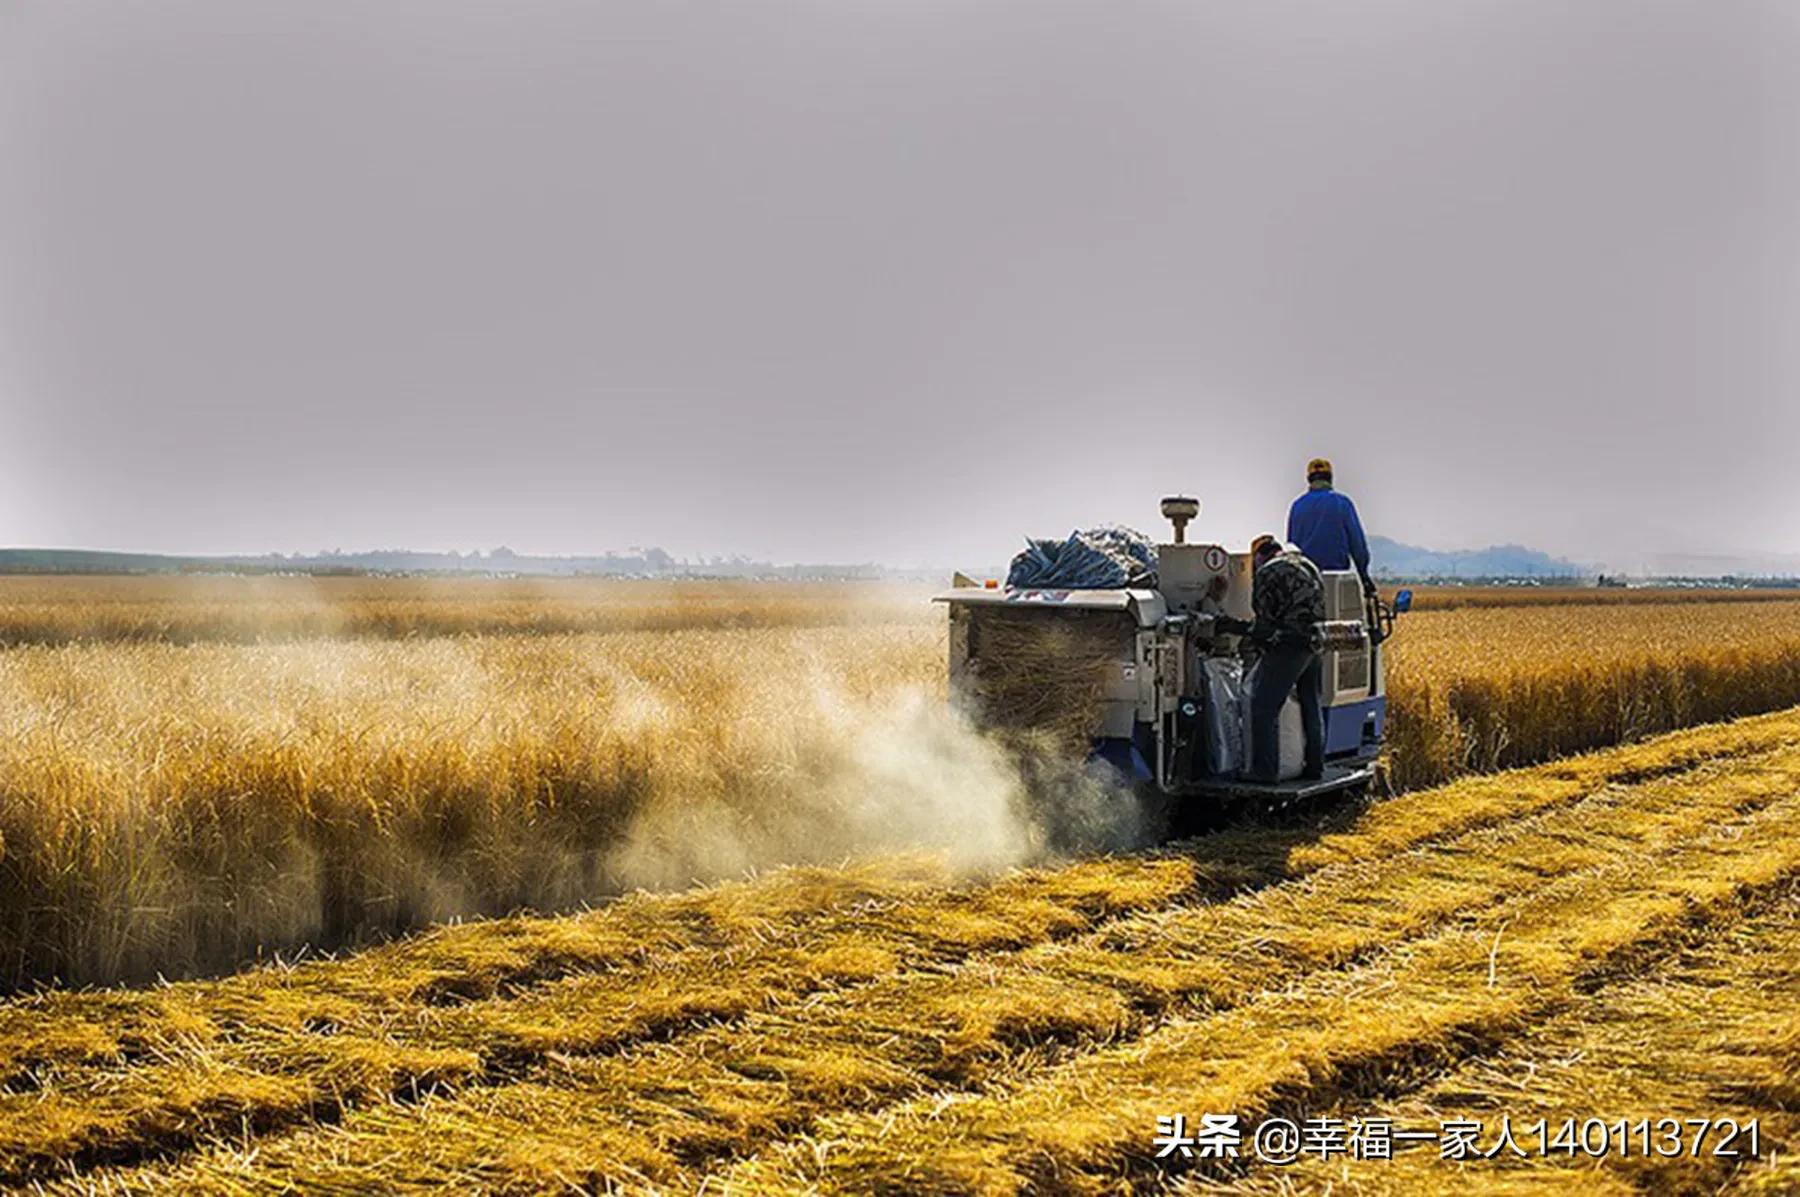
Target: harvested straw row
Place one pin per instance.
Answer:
(275, 1048)
(1293, 1051)
(1707, 1035)
(1779, 1178)
(62, 1030)
(1398, 823)
(776, 1074)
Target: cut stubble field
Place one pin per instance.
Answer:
(982, 1014)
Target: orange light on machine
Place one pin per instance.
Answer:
(991, 584)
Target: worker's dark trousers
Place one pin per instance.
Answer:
(1279, 673)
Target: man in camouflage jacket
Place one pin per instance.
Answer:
(1288, 596)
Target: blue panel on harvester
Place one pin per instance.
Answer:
(1355, 727)
(1124, 757)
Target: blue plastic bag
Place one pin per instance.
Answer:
(1110, 558)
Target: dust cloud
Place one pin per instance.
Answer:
(906, 774)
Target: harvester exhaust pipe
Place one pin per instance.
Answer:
(1178, 510)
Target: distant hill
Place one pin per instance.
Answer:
(87, 561)
(1390, 558)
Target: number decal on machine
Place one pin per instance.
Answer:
(1215, 558)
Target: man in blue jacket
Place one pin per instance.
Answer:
(1322, 523)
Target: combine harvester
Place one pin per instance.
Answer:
(1171, 710)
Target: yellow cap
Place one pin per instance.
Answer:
(1319, 465)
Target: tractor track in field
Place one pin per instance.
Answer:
(1133, 1013)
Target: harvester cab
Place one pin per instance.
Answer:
(1151, 682)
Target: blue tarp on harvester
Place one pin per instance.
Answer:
(1110, 558)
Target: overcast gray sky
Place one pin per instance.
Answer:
(887, 279)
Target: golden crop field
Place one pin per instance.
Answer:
(930, 996)
(1611, 936)
(179, 807)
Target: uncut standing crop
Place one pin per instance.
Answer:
(1481, 689)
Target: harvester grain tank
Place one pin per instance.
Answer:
(1170, 708)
